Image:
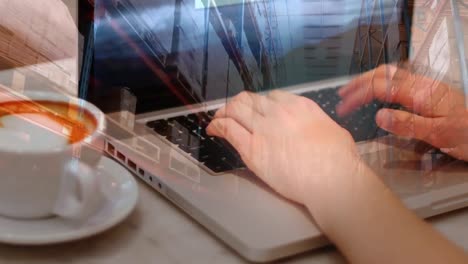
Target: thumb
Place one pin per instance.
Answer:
(402, 123)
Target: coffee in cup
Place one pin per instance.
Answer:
(42, 173)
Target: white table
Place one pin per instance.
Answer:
(158, 232)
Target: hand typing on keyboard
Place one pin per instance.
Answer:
(438, 114)
(290, 143)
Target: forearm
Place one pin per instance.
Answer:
(372, 225)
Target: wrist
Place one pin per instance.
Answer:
(335, 201)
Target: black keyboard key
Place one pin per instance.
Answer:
(179, 134)
(152, 124)
(203, 120)
(211, 113)
(171, 122)
(203, 154)
(184, 147)
(229, 153)
(192, 118)
(184, 122)
(196, 152)
(193, 141)
(218, 165)
(191, 123)
(160, 126)
(204, 150)
(200, 133)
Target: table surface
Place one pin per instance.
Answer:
(158, 232)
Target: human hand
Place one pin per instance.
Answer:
(438, 117)
(292, 145)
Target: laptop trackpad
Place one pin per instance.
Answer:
(409, 173)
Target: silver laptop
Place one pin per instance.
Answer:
(161, 69)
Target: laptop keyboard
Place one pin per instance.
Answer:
(188, 132)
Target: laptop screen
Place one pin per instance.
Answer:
(170, 53)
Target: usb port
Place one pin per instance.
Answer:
(110, 149)
(131, 164)
(120, 156)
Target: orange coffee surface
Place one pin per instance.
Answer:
(77, 122)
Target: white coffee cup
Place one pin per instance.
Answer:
(41, 176)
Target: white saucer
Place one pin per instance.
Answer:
(121, 193)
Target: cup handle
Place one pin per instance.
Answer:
(80, 192)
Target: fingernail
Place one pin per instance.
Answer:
(447, 150)
(211, 128)
(214, 126)
(383, 118)
(393, 70)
